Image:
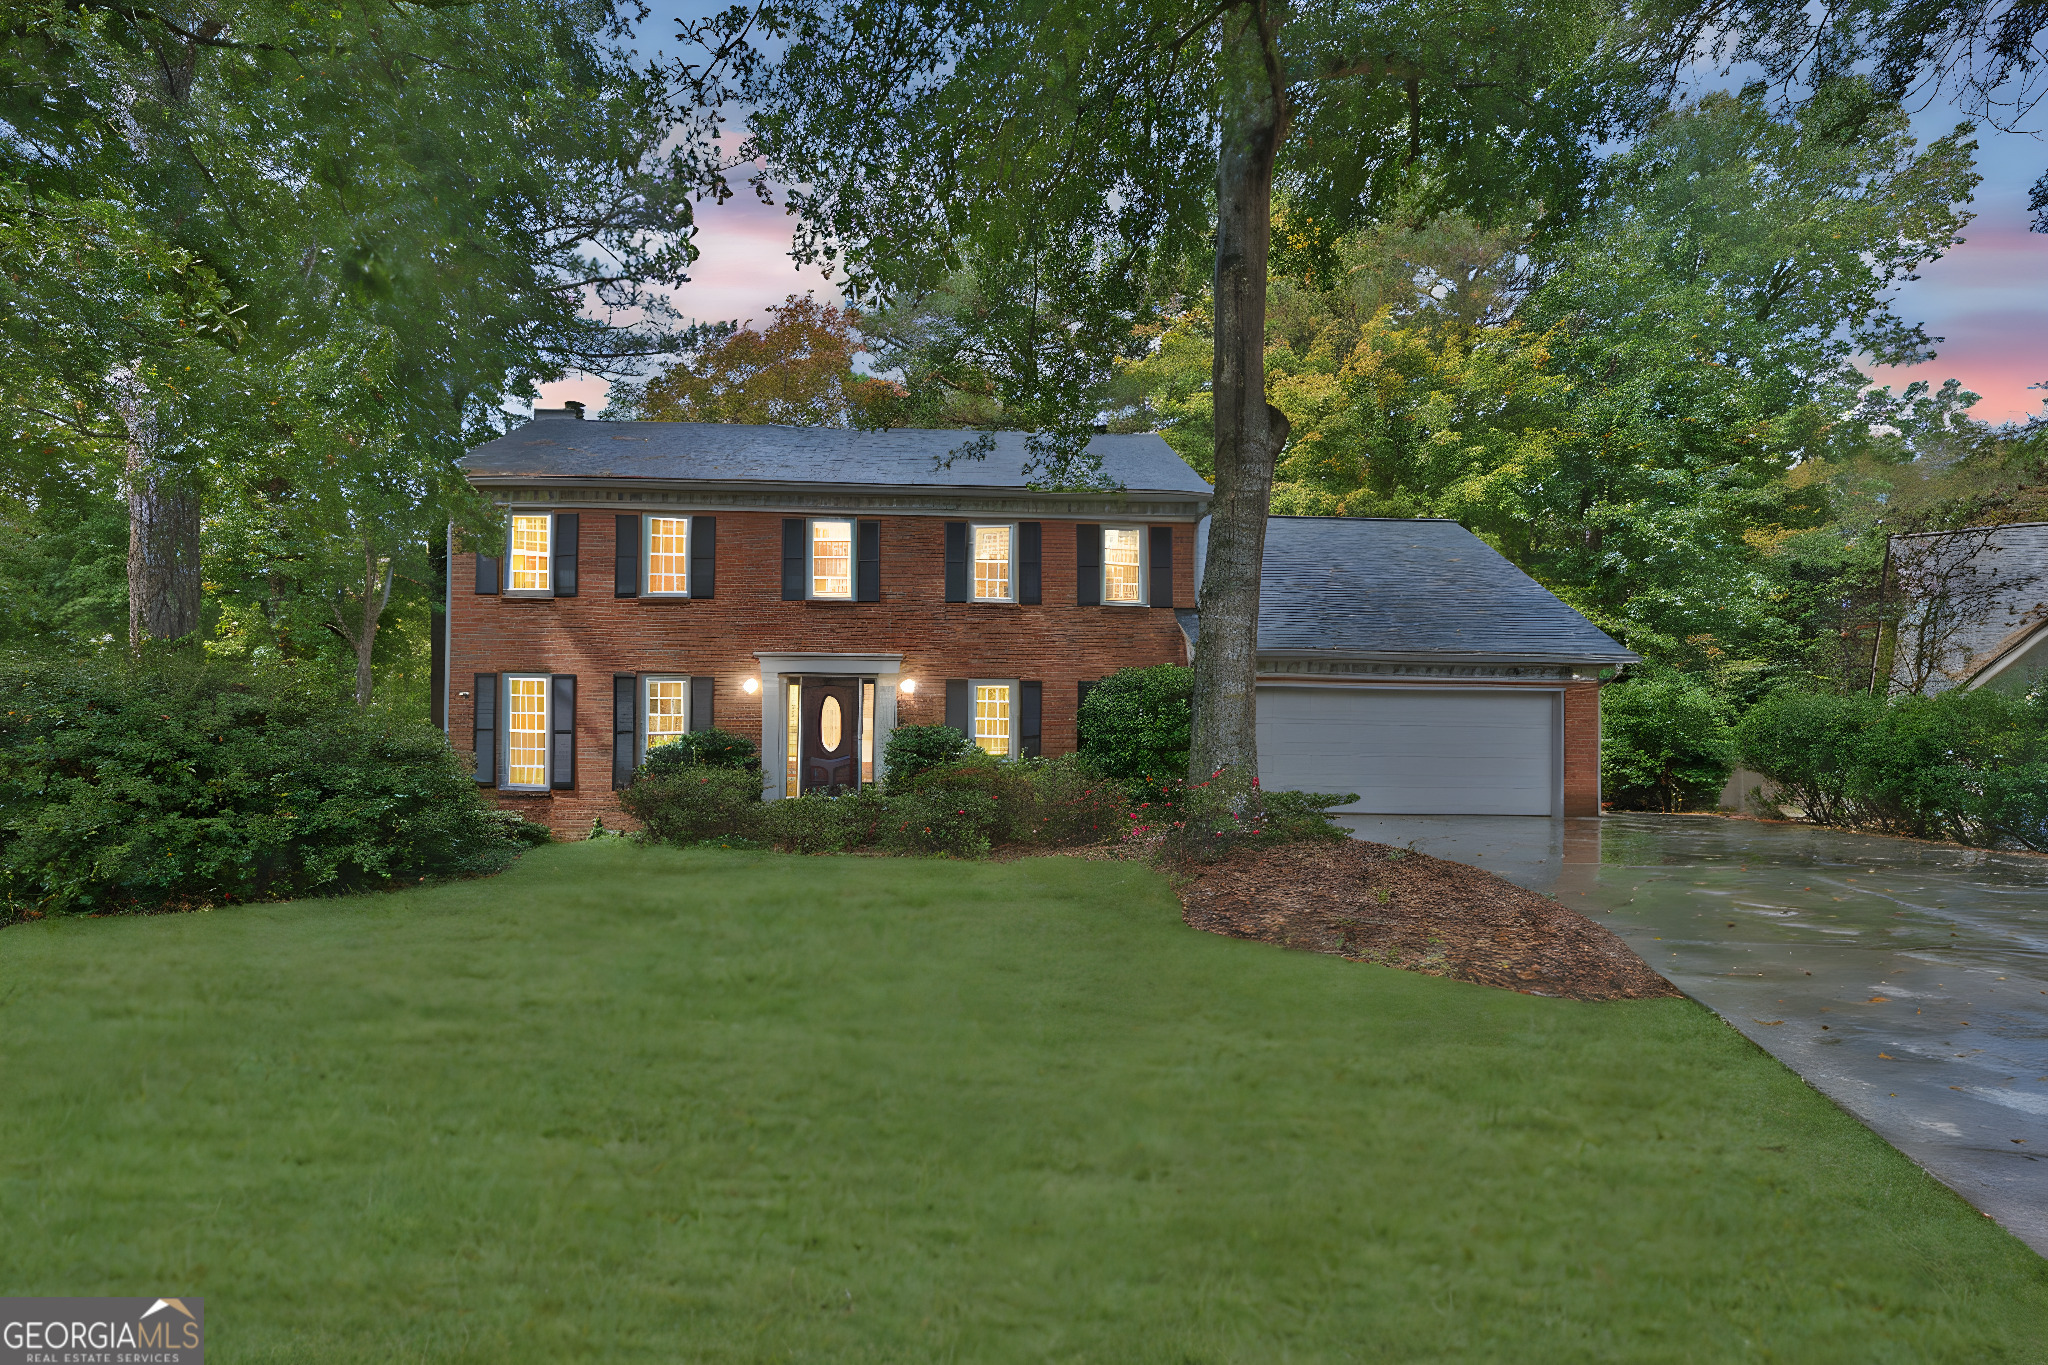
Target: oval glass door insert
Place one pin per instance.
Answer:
(829, 724)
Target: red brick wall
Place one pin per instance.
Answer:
(595, 635)
(1582, 747)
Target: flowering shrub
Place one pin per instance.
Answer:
(957, 824)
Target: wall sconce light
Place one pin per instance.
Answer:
(907, 686)
(751, 686)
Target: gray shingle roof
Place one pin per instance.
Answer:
(710, 452)
(1382, 585)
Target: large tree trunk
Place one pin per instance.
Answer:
(163, 528)
(1249, 430)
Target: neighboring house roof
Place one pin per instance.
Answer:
(1976, 606)
(730, 453)
(1397, 588)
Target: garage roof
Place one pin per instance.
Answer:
(1401, 588)
(718, 452)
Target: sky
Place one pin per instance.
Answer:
(1988, 299)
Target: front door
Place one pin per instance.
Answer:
(831, 733)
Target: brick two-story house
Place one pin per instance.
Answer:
(821, 587)
(815, 587)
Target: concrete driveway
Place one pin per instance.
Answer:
(1906, 981)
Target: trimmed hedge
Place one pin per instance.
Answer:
(1971, 767)
(168, 782)
(1137, 723)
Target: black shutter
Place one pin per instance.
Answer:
(625, 723)
(437, 639)
(562, 728)
(487, 574)
(1080, 703)
(486, 699)
(564, 555)
(956, 562)
(793, 559)
(703, 556)
(1087, 566)
(867, 561)
(1161, 570)
(626, 583)
(703, 695)
(1030, 552)
(1030, 705)
(957, 707)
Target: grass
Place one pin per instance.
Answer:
(626, 1105)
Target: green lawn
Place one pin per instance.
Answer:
(625, 1105)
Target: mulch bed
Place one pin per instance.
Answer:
(1373, 903)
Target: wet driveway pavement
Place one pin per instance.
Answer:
(1908, 982)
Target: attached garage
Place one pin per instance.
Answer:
(1409, 662)
(1416, 751)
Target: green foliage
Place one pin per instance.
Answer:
(818, 822)
(1067, 802)
(1971, 767)
(1135, 724)
(686, 804)
(912, 749)
(1665, 743)
(169, 783)
(955, 823)
(1211, 819)
(713, 748)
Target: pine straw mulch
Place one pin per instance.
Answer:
(1372, 903)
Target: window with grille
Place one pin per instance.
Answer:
(526, 732)
(832, 559)
(530, 554)
(667, 711)
(1123, 563)
(992, 552)
(668, 555)
(992, 718)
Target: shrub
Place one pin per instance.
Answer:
(684, 805)
(1665, 744)
(1967, 766)
(1067, 803)
(171, 782)
(713, 748)
(956, 824)
(1136, 725)
(817, 823)
(912, 749)
(1230, 811)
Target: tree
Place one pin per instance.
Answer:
(797, 372)
(456, 182)
(1070, 149)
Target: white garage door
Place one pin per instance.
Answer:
(1439, 751)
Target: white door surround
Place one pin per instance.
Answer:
(779, 669)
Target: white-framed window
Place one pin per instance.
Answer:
(526, 730)
(832, 560)
(664, 712)
(1123, 566)
(527, 567)
(667, 557)
(994, 552)
(995, 716)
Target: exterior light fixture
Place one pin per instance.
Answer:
(751, 686)
(907, 686)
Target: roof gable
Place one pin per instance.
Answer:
(1394, 586)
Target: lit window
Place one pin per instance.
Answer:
(668, 711)
(992, 718)
(832, 559)
(530, 554)
(789, 787)
(1123, 556)
(526, 733)
(991, 563)
(867, 732)
(668, 558)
